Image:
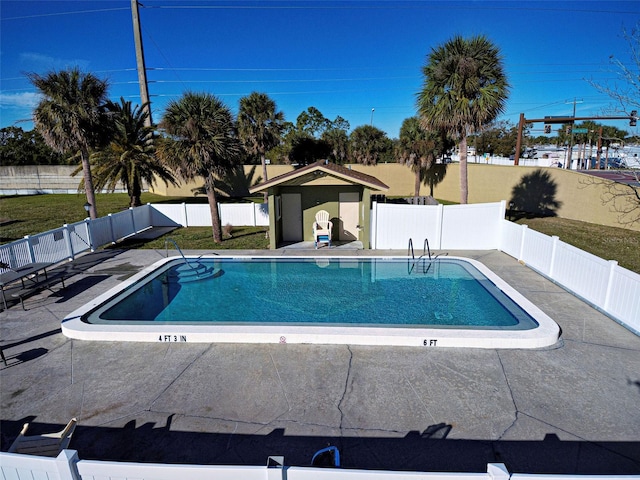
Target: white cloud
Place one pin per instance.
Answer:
(19, 100)
(39, 63)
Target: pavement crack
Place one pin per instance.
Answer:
(601, 345)
(513, 401)
(177, 377)
(284, 391)
(346, 387)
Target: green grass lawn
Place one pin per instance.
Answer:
(28, 215)
(201, 238)
(31, 214)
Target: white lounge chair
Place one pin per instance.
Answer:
(46, 445)
(322, 228)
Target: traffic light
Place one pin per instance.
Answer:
(547, 129)
(568, 129)
(633, 118)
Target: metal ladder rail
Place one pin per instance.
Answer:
(426, 252)
(425, 248)
(179, 251)
(410, 264)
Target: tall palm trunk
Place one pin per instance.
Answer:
(416, 188)
(88, 183)
(213, 206)
(464, 185)
(136, 192)
(264, 175)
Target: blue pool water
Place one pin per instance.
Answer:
(445, 293)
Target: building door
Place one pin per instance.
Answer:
(291, 217)
(349, 217)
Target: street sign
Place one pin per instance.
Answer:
(580, 130)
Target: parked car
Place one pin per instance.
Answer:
(614, 162)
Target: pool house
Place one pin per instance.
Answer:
(296, 197)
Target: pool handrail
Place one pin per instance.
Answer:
(167, 240)
(426, 251)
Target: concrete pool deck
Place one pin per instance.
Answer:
(572, 408)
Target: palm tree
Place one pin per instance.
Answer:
(70, 117)
(259, 126)
(464, 88)
(130, 157)
(338, 142)
(202, 143)
(368, 144)
(417, 149)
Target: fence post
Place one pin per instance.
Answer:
(67, 241)
(501, 220)
(133, 220)
(524, 231)
(66, 465)
(87, 223)
(607, 297)
(373, 222)
(498, 471)
(32, 257)
(554, 247)
(112, 235)
(185, 215)
(13, 261)
(503, 209)
(439, 221)
(150, 210)
(275, 467)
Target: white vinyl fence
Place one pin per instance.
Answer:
(460, 227)
(602, 283)
(67, 466)
(66, 242)
(236, 214)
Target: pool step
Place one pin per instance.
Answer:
(195, 271)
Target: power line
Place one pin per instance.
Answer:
(77, 12)
(380, 5)
(304, 80)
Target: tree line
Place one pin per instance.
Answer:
(198, 136)
(463, 92)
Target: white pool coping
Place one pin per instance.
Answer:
(545, 335)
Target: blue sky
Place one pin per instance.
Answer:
(343, 57)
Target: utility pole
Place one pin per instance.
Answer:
(550, 120)
(570, 149)
(516, 157)
(142, 70)
(599, 151)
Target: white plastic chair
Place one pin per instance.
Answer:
(322, 228)
(46, 445)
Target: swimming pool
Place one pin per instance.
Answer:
(447, 302)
